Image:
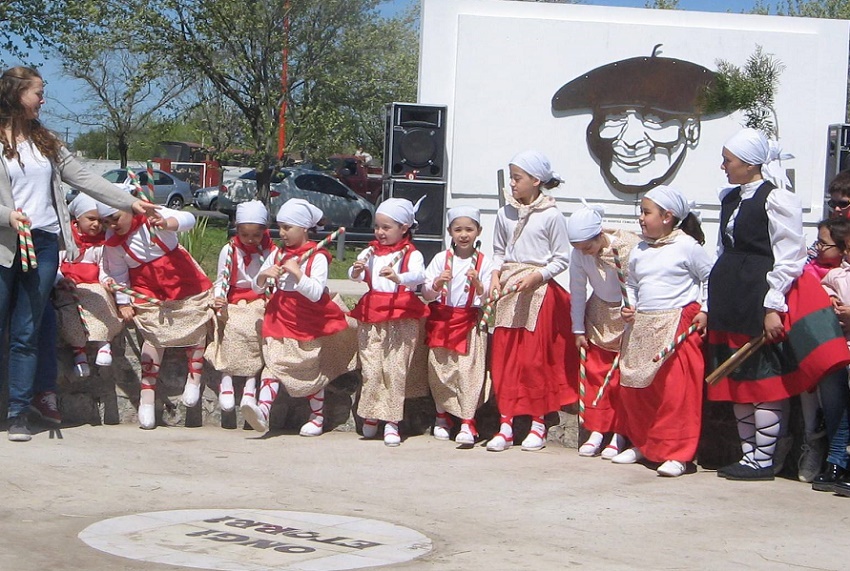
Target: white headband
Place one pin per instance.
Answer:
(252, 212)
(670, 199)
(463, 211)
(536, 164)
(299, 212)
(399, 209)
(585, 223)
(754, 148)
(81, 204)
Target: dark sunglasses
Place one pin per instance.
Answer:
(842, 204)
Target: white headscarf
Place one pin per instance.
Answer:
(252, 212)
(585, 223)
(399, 209)
(670, 199)
(299, 212)
(461, 211)
(536, 164)
(754, 148)
(104, 209)
(81, 204)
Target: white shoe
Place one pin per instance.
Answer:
(440, 432)
(613, 447)
(104, 357)
(246, 399)
(534, 441)
(629, 456)
(465, 437)
(391, 436)
(254, 415)
(499, 443)
(82, 370)
(147, 416)
(588, 449)
(671, 469)
(311, 428)
(191, 394)
(226, 401)
(370, 428)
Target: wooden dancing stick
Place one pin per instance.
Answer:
(490, 304)
(672, 346)
(607, 381)
(582, 383)
(621, 274)
(736, 359)
(306, 255)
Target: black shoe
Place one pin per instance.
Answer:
(18, 429)
(842, 487)
(738, 471)
(825, 481)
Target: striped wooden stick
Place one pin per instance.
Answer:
(607, 381)
(621, 275)
(25, 243)
(582, 383)
(673, 345)
(226, 273)
(80, 311)
(398, 257)
(490, 305)
(133, 293)
(450, 256)
(306, 255)
(151, 188)
(475, 254)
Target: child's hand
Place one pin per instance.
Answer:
(291, 266)
(441, 281)
(271, 273)
(628, 314)
(389, 273)
(357, 268)
(472, 276)
(581, 341)
(126, 312)
(700, 320)
(531, 281)
(164, 223)
(219, 302)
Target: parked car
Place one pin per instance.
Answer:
(206, 198)
(364, 179)
(168, 189)
(342, 207)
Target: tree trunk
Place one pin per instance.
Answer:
(123, 148)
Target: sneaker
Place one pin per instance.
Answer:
(104, 357)
(46, 406)
(18, 430)
(82, 370)
(812, 457)
(391, 435)
(745, 472)
(255, 416)
(825, 481)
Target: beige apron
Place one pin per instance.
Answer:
(98, 309)
(175, 323)
(603, 323)
(235, 345)
(519, 310)
(655, 330)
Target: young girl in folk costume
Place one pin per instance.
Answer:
(389, 315)
(236, 348)
(86, 311)
(306, 341)
(534, 362)
(758, 287)
(150, 261)
(597, 323)
(455, 281)
(660, 403)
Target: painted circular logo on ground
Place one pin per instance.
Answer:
(256, 540)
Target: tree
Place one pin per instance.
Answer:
(662, 4)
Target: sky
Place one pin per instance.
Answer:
(63, 94)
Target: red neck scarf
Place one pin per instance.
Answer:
(381, 250)
(251, 250)
(84, 241)
(116, 239)
(285, 253)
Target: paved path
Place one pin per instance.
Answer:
(488, 511)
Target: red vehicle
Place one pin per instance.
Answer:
(363, 179)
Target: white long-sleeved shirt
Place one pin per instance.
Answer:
(92, 255)
(244, 275)
(583, 271)
(312, 287)
(543, 242)
(414, 276)
(669, 276)
(117, 263)
(31, 186)
(785, 228)
(457, 295)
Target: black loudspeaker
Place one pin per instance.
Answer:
(431, 213)
(838, 152)
(415, 141)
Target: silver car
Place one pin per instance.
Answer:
(168, 189)
(342, 207)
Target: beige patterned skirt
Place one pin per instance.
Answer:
(457, 381)
(656, 329)
(394, 365)
(175, 323)
(235, 347)
(604, 324)
(519, 309)
(99, 311)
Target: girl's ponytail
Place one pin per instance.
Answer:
(692, 227)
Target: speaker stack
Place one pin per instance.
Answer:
(415, 167)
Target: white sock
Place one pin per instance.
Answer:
(595, 439)
(268, 394)
(317, 405)
(226, 385)
(250, 387)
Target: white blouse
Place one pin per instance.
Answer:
(583, 271)
(457, 295)
(312, 287)
(785, 228)
(414, 276)
(544, 241)
(669, 276)
(32, 186)
(244, 275)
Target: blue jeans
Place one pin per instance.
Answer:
(23, 296)
(47, 370)
(835, 400)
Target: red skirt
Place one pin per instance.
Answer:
(171, 277)
(813, 347)
(663, 419)
(536, 372)
(602, 417)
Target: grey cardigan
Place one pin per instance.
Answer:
(69, 170)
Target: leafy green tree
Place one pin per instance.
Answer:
(662, 4)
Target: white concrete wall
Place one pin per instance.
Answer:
(497, 64)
